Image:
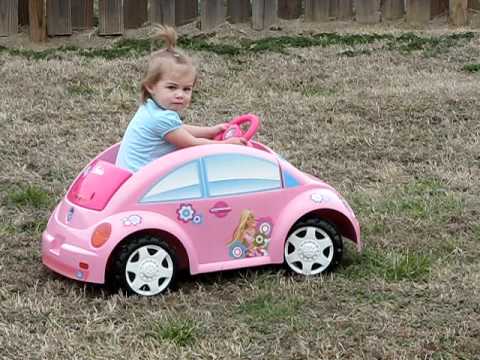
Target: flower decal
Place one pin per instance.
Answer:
(132, 220)
(264, 226)
(237, 250)
(316, 197)
(185, 212)
(197, 219)
(260, 240)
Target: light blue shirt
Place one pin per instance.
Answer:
(144, 139)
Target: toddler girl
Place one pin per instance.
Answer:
(156, 129)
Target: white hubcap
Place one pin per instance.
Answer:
(149, 270)
(309, 250)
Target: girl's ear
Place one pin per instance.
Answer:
(148, 87)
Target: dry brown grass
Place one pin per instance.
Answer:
(397, 133)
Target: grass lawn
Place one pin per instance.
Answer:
(389, 118)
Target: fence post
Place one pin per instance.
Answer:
(162, 12)
(419, 11)
(185, 11)
(393, 9)
(317, 10)
(212, 13)
(289, 9)
(135, 13)
(36, 16)
(82, 14)
(8, 17)
(59, 17)
(344, 9)
(264, 13)
(458, 12)
(474, 4)
(239, 11)
(439, 7)
(23, 12)
(367, 11)
(110, 17)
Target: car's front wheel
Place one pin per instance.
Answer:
(145, 266)
(312, 247)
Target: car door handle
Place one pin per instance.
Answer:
(222, 210)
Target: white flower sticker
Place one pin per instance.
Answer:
(316, 197)
(132, 220)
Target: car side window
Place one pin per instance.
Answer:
(181, 184)
(231, 174)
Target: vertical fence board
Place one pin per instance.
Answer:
(333, 9)
(110, 17)
(135, 13)
(344, 9)
(23, 12)
(264, 13)
(8, 17)
(212, 13)
(186, 11)
(393, 9)
(367, 11)
(317, 10)
(439, 7)
(82, 14)
(239, 11)
(59, 17)
(37, 21)
(162, 12)
(474, 4)
(419, 11)
(289, 9)
(458, 13)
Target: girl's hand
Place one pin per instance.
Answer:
(218, 129)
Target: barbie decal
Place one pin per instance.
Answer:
(251, 237)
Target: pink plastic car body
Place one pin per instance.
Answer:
(212, 207)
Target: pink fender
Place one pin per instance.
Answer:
(149, 221)
(331, 207)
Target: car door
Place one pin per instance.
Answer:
(243, 198)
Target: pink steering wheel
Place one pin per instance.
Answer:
(234, 129)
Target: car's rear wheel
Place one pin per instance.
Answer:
(145, 266)
(313, 247)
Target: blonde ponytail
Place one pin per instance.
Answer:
(168, 35)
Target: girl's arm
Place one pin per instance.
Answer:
(207, 132)
(182, 138)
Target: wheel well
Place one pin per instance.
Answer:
(172, 241)
(341, 222)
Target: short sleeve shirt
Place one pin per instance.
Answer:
(144, 139)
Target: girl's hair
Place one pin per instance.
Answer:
(161, 61)
(245, 218)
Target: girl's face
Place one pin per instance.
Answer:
(174, 90)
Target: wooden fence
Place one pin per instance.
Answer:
(62, 17)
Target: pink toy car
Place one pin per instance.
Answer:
(205, 208)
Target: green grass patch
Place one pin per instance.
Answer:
(265, 310)
(311, 91)
(405, 43)
(391, 266)
(424, 201)
(30, 196)
(473, 68)
(81, 89)
(181, 332)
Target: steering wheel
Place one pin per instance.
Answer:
(234, 127)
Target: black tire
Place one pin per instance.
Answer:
(312, 247)
(144, 266)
